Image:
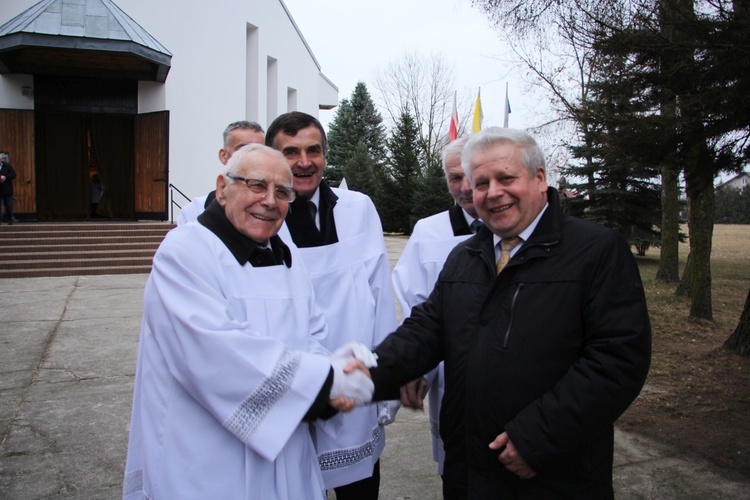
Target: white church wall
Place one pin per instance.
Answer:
(219, 74)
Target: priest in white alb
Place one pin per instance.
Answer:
(417, 270)
(230, 366)
(340, 238)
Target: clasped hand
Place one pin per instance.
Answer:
(352, 385)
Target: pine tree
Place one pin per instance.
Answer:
(432, 195)
(357, 120)
(619, 154)
(359, 171)
(402, 171)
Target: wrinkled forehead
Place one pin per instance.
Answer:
(263, 166)
(501, 153)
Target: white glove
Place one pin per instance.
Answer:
(355, 385)
(387, 411)
(356, 350)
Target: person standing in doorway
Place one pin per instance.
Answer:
(97, 191)
(7, 174)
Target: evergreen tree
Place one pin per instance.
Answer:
(431, 195)
(357, 120)
(619, 169)
(402, 172)
(359, 171)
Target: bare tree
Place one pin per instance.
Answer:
(423, 87)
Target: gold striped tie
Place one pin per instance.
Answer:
(506, 246)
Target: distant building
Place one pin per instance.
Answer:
(139, 92)
(739, 181)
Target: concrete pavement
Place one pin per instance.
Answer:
(67, 362)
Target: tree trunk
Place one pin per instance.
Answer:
(683, 289)
(739, 341)
(672, 59)
(670, 226)
(699, 183)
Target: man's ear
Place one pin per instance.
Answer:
(223, 156)
(221, 186)
(541, 176)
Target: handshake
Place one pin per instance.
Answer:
(352, 385)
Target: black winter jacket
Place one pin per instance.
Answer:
(6, 187)
(552, 351)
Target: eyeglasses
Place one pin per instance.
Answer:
(258, 186)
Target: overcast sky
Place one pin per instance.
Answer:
(351, 40)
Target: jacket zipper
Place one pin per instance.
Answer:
(512, 308)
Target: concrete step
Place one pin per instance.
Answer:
(61, 239)
(99, 261)
(52, 252)
(42, 247)
(73, 271)
(73, 249)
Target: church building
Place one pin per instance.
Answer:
(135, 94)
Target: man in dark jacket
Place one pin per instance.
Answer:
(542, 354)
(7, 174)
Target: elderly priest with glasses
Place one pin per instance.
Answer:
(230, 368)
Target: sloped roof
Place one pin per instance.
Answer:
(82, 37)
(332, 88)
(733, 179)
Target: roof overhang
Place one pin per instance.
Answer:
(39, 54)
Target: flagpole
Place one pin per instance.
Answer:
(507, 107)
(453, 127)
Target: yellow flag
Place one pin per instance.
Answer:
(476, 124)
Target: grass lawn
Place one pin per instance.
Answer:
(697, 395)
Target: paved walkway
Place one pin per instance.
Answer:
(67, 361)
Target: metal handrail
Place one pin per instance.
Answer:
(172, 203)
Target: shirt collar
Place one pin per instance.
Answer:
(241, 247)
(315, 198)
(526, 233)
(469, 218)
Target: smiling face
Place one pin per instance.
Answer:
(257, 216)
(506, 196)
(304, 154)
(459, 185)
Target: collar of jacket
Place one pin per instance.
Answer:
(327, 195)
(458, 221)
(214, 219)
(543, 239)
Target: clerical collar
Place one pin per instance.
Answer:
(241, 247)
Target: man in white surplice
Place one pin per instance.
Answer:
(339, 234)
(230, 368)
(417, 270)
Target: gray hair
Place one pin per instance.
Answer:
(233, 165)
(242, 125)
(453, 149)
(532, 156)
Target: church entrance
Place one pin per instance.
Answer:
(84, 153)
(84, 166)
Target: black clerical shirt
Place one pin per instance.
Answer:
(243, 248)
